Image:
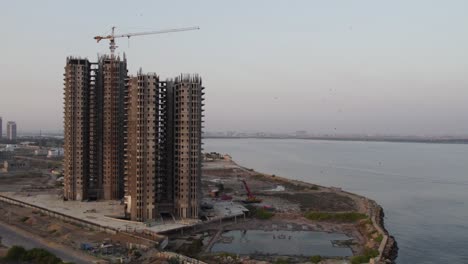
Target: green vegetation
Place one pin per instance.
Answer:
(340, 217)
(316, 259)
(263, 214)
(192, 249)
(174, 260)
(314, 188)
(282, 261)
(379, 238)
(35, 255)
(367, 255)
(220, 187)
(372, 252)
(24, 219)
(15, 253)
(259, 213)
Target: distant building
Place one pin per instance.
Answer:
(10, 147)
(15, 164)
(11, 130)
(301, 133)
(41, 152)
(163, 146)
(55, 153)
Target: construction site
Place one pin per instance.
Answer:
(245, 217)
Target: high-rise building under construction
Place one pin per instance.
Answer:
(163, 146)
(139, 137)
(93, 128)
(76, 128)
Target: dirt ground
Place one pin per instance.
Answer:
(64, 233)
(17, 181)
(283, 195)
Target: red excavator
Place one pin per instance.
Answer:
(250, 197)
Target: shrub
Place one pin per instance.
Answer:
(282, 261)
(15, 253)
(261, 213)
(379, 238)
(39, 255)
(359, 260)
(316, 259)
(371, 252)
(35, 255)
(174, 260)
(367, 255)
(314, 188)
(341, 217)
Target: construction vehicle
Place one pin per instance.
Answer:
(226, 197)
(112, 36)
(250, 197)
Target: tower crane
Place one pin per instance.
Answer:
(112, 36)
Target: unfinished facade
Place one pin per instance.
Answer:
(112, 76)
(142, 146)
(76, 128)
(163, 147)
(94, 118)
(185, 103)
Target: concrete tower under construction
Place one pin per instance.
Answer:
(163, 146)
(185, 112)
(112, 76)
(94, 139)
(76, 128)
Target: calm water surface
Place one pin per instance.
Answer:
(423, 188)
(299, 243)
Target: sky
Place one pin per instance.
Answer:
(360, 67)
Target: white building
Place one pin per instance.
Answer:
(55, 153)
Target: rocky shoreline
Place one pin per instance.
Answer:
(390, 251)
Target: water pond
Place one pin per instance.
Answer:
(291, 243)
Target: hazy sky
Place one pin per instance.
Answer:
(398, 67)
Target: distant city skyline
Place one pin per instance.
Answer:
(329, 67)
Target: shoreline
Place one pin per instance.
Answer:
(388, 249)
(455, 141)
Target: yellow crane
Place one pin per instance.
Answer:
(112, 36)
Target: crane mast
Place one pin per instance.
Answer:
(113, 36)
